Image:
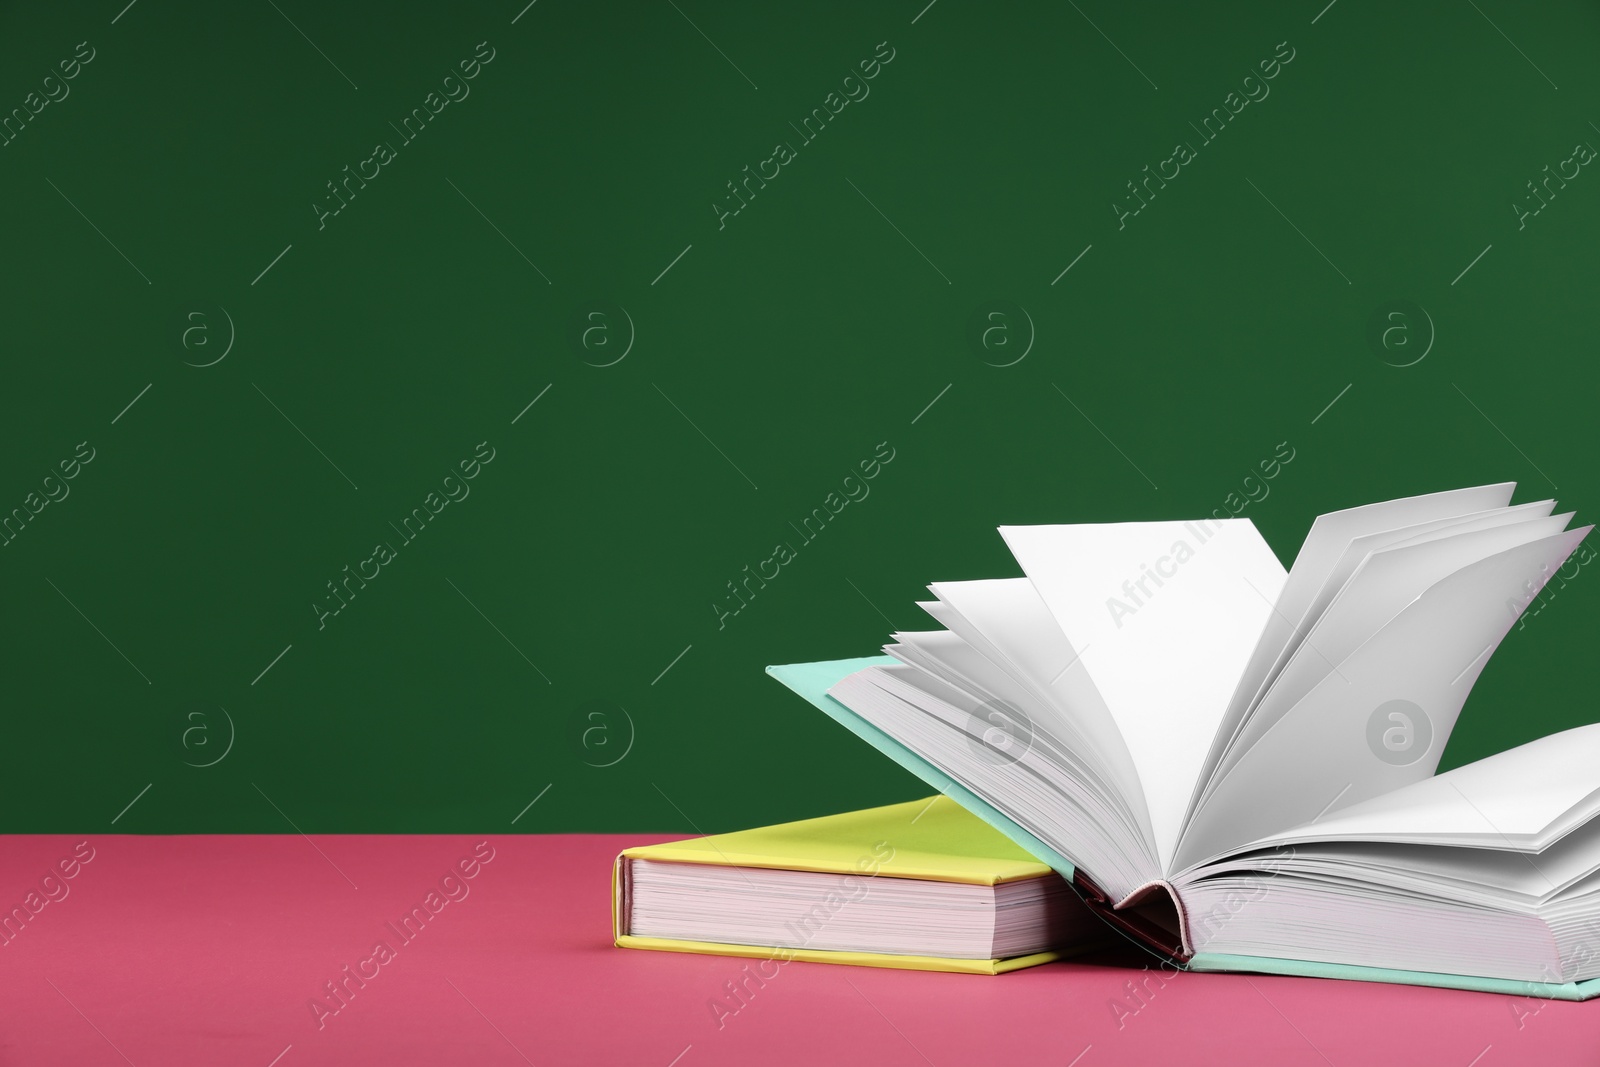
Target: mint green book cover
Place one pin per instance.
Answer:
(813, 680)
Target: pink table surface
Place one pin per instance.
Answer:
(210, 950)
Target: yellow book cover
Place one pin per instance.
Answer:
(933, 839)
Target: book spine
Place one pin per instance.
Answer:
(1130, 922)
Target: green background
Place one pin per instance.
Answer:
(775, 354)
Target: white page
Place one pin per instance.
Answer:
(935, 721)
(1357, 551)
(1483, 520)
(1319, 555)
(1454, 869)
(1384, 583)
(1026, 721)
(1163, 615)
(951, 663)
(1509, 800)
(1332, 748)
(1326, 921)
(947, 657)
(1006, 619)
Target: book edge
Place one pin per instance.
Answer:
(854, 959)
(1221, 963)
(909, 760)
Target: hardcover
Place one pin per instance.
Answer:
(933, 839)
(813, 680)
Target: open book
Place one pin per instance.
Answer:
(1236, 763)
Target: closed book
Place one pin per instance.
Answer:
(923, 885)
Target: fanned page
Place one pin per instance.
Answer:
(1006, 620)
(1163, 616)
(1039, 785)
(1380, 585)
(1521, 800)
(1169, 708)
(1489, 870)
(1316, 567)
(1379, 719)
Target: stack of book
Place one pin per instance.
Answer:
(1160, 730)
